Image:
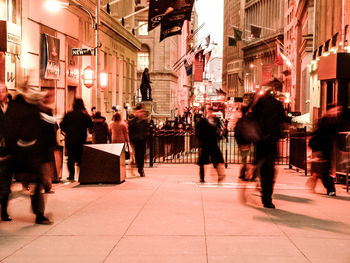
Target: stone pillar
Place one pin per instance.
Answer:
(114, 81)
(120, 81)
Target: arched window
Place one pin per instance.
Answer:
(143, 58)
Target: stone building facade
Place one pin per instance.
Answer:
(331, 59)
(232, 65)
(170, 85)
(259, 53)
(61, 31)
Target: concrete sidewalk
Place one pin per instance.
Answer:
(168, 217)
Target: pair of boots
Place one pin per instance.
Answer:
(4, 203)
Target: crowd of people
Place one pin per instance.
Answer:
(28, 137)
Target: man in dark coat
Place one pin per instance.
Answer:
(6, 171)
(138, 131)
(208, 131)
(74, 126)
(270, 115)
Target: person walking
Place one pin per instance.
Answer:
(269, 114)
(48, 141)
(323, 141)
(6, 171)
(118, 129)
(243, 146)
(25, 139)
(100, 132)
(74, 127)
(208, 132)
(138, 131)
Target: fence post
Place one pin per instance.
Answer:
(305, 157)
(226, 152)
(151, 146)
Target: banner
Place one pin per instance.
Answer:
(49, 62)
(278, 57)
(267, 73)
(156, 11)
(171, 15)
(198, 67)
(171, 24)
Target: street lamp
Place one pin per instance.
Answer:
(54, 5)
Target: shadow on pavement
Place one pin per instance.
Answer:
(294, 220)
(290, 198)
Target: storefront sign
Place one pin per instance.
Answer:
(83, 52)
(49, 63)
(10, 37)
(72, 63)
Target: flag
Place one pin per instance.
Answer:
(173, 18)
(155, 12)
(188, 68)
(207, 57)
(190, 57)
(278, 57)
(238, 34)
(255, 31)
(199, 66)
(207, 40)
(232, 41)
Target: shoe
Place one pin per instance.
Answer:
(42, 220)
(49, 191)
(269, 205)
(6, 217)
(201, 181)
(331, 194)
(70, 178)
(142, 173)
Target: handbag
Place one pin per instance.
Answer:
(127, 152)
(247, 129)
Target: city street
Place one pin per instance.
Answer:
(168, 216)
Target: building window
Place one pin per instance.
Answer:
(142, 60)
(142, 31)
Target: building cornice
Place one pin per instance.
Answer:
(111, 23)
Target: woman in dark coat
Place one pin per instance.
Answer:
(208, 131)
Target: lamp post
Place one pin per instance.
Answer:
(95, 22)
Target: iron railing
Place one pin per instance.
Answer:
(173, 146)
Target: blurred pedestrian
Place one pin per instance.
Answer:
(48, 141)
(138, 132)
(6, 169)
(100, 132)
(118, 129)
(27, 143)
(323, 141)
(243, 146)
(269, 114)
(74, 127)
(208, 132)
(93, 112)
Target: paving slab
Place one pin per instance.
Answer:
(168, 216)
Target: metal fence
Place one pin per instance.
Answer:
(183, 147)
